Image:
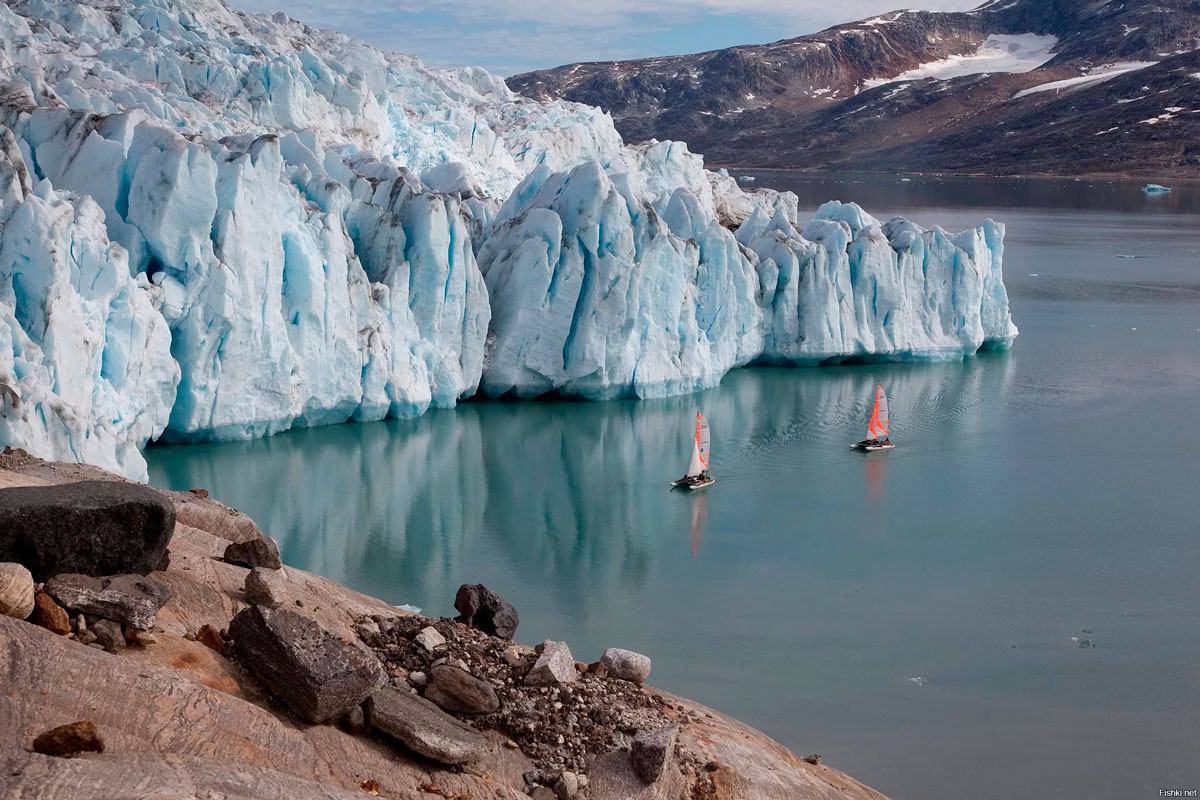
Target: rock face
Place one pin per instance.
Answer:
(266, 587)
(260, 552)
(69, 740)
(482, 608)
(130, 599)
(92, 527)
(50, 615)
(423, 727)
(652, 750)
(16, 591)
(554, 666)
(316, 674)
(457, 691)
(626, 664)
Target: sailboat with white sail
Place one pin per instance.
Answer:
(697, 476)
(877, 428)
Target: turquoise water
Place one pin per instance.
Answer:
(1035, 498)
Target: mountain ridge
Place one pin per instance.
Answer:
(834, 99)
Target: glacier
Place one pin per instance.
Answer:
(218, 225)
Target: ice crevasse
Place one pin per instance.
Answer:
(219, 225)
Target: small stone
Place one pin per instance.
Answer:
(815, 758)
(86, 636)
(418, 679)
(355, 721)
(130, 599)
(430, 639)
(258, 552)
(109, 635)
(626, 664)
(80, 623)
(516, 654)
(458, 691)
(211, 638)
(483, 609)
(50, 615)
(651, 750)
(203, 493)
(16, 591)
(567, 786)
(140, 637)
(511, 745)
(542, 793)
(69, 740)
(266, 587)
(367, 629)
(598, 669)
(554, 666)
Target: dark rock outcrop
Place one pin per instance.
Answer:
(69, 740)
(480, 607)
(131, 599)
(423, 727)
(316, 674)
(92, 527)
(260, 552)
(458, 691)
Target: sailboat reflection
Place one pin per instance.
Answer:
(699, 522)
(875, 476)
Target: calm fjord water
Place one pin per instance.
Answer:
(914, 616)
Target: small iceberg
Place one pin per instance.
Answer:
(1086, 644)
(1154, 188)
(747, 178)
(919, 681)
(407, 607)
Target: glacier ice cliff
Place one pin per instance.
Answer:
(219, 225)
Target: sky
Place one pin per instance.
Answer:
(512, 36)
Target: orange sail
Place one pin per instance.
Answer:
(877, 428)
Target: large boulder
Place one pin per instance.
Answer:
(16, 591)
(423, 727)
(626, 664)
(316, 674)
(266, 587)
(481, 608)
(458, 691)
(92, 527)
(131, 599)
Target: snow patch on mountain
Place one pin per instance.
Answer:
(997, 53)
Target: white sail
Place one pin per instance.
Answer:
(695, 467)
(877, 428)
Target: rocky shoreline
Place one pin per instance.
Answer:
(207, 668)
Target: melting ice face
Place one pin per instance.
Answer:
(219, 226)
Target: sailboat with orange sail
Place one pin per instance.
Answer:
(877, 428)
(697, 476)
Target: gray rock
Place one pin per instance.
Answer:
(554, 666)
(366, 629)
(92, 527)
(430, 638)
(131, 599)
(266, 587)
(567, 786)
(542, 793)
(626, 664)
(16, 591)
(109, 635)
(418, 678)
(423, 727)
(652, 750)
(355, 721)
(515, 655)
(460, 692)
(487, 611)
(313, 672)
(260, 552)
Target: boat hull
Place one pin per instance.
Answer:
(871, 448)
(684, 483)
